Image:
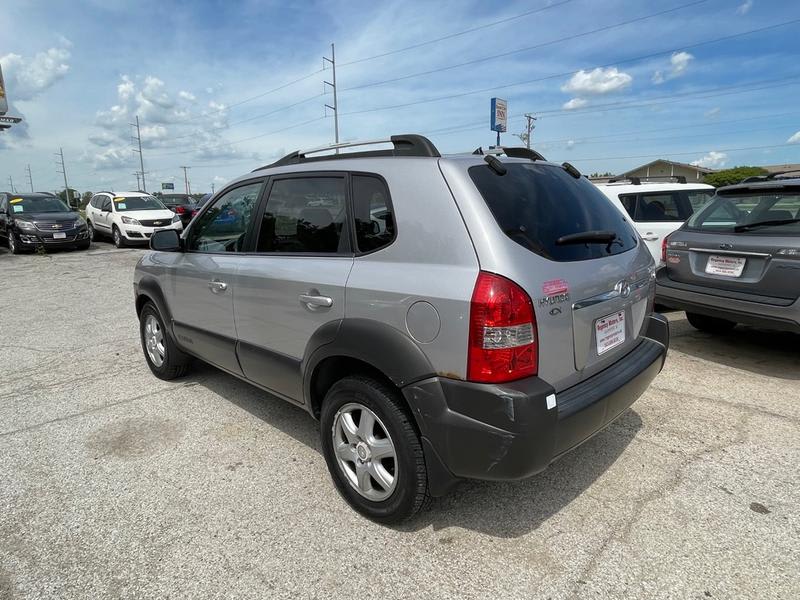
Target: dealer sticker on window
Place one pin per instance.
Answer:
(610, 331)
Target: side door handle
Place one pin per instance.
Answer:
(650, 237)
(217, 286)
(312, 300)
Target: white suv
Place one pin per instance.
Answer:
(128, 217)
(656, 209)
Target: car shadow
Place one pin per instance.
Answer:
(771, 353)
(499, 509)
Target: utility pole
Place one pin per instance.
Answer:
(30, 178)
(212, 188)
(530, 118)
(186, 179)
(11, 185)
(63, 171)
(141, 158)
(335, 107)
(137, 180)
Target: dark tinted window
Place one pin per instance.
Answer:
(660, 206)
(36, 204)
(304, 214)
(222, 228)
(629, 202)
(106, 205)
(536, 204)
(372, 212)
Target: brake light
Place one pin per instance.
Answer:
(502, 332)
(180, 210)
(664, 249)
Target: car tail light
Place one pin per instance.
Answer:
(664, 249)
(180, 210)
(502, 332)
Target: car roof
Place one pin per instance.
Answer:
(789, 184)
(650, 186)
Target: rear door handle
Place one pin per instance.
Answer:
(217, 286)
(650, 237)
(311, 300)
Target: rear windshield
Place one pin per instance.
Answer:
(751, 213)
(124, 203)
(535, 205)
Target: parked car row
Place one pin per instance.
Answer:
(129, 218)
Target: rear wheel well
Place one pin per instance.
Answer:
(334, 368)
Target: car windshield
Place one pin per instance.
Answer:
(126, 203)
(177, 199)
(37, 204)
(548, 211)
(751, 212)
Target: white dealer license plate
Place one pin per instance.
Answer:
(727, 266)
(59, 235)
(610, 331)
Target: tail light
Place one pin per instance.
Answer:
(502, 332)
(180, 210)
(664, 249)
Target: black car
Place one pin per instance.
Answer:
(31, 220)
(182, 205)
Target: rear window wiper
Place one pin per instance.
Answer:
(600, 236)
(774, 223)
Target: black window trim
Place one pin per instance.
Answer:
(262, 205)
(249, 233)
(390, 204)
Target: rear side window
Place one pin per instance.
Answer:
(372, 212)
(662, 206)
(304, 215)
(629, 203)
(536, 204)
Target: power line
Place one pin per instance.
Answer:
(457, 34)
(526, 49)
(568, 73)
(661, 155)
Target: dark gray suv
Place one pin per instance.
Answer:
(737, 260)
(444, 318)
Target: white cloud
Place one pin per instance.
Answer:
(112, 158)
(27, 78)
(575, 103)
(184, 95)
(570, 144)
(712, 113)
(218, 179)
(679, 62)
(745, 7)
(795, 139)
(712, 160)
(597, 81)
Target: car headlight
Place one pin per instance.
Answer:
(176, 219)
(130, 221)
(80, 224)
(26, 225)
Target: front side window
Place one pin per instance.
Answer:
(544, 209)
(222, 228)
(126, 203)
(764, 214)
(372, 213)
(304, 214)
(106, 206)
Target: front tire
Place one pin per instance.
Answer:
(13, 245)
(119, 239)
(163, 357)
(91, 232)
(709, 324)
(373, 450)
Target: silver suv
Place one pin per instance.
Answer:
(444, 318)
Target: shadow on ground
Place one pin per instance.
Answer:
(771, 353)
(500, 509)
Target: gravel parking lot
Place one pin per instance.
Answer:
(114, 484)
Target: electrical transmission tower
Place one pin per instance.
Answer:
(186, 179)
(138, 139)
(63, 171)
(137, 180)
(335, 107)
(11, 185)
(30, 178)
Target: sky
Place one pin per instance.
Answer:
(225, 87)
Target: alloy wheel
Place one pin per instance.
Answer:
(154, 340)
(364, 451)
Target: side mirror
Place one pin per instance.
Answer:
(165, 240)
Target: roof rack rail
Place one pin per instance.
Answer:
(638, 180)
(510, 152)
(633, 180)
(404, 145)
(769, 176)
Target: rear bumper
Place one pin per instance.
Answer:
(502, 432)
(768, 314)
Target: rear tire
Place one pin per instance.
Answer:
(709, 324)
(119, 239)
(392, 433)
(163, 357)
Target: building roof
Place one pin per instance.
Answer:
(791, 167)
(704, 170)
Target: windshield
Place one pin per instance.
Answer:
(36, 204)
(728, 213)
(125, 203)
(535, 205)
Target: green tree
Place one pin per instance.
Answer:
(87, 196)
(732, 176)
(73, 194)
